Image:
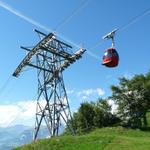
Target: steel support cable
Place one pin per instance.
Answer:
(89, 51)
(134, 19)
(68, 18)
(18, 114)
(74, 12)
(6, 83)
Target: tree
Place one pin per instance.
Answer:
(93, 115)
(86, 115)
(102, 113)
(82, 120)
(133, 99)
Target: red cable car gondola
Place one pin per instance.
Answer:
(110, 58)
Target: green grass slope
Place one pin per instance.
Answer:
(100, 139)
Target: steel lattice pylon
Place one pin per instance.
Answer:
(50, 57)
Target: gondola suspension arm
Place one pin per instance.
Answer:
(110, 36)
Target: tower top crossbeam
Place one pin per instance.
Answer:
(51, 45)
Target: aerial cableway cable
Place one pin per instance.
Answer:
(17, 116)
(74, 12)
(125, 26)
(134, 19)
(6, 83)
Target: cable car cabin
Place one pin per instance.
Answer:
(110, 58)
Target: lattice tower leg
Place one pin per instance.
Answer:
(52, 102)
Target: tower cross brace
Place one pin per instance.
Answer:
(50, 57)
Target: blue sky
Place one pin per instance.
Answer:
(87, 79)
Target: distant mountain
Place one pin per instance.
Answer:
(18, 135)
(9, 136)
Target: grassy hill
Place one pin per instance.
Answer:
(100, 139)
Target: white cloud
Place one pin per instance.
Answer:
(113, 106)
(85, 92)
(84, 98)
(128, 75)
(70, 91)
(109, 76)
(100, 92)
(90, 92)
(27, 108)
(7, 114)
(21, 112)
